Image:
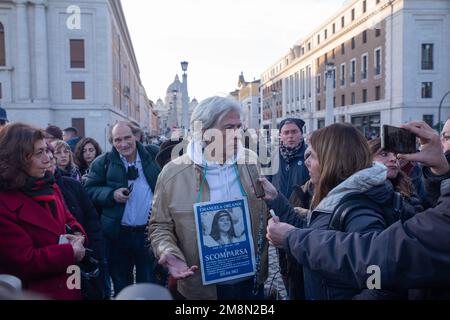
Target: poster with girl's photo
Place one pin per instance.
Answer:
(224, 240)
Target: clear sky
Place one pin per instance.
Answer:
(219, 39)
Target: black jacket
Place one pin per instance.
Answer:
(107, 174)
(291, 175)
(82, 209)
(410, 254)
(362, 219)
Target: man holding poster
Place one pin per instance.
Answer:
(205, 213)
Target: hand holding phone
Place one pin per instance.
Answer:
(128, 191)
(398, 140)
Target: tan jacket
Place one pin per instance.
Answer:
(172, 224)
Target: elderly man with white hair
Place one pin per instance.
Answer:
(214, 168)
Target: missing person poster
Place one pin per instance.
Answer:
(225, 240)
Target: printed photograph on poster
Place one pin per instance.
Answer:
(224, 240)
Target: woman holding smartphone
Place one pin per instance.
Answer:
(341, 169)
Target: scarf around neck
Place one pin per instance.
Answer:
(289, 153)
(41, 191)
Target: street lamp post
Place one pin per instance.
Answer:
(185, 99)
(439, 114)
(174, 111)
(329, 115)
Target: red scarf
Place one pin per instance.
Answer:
(41, 191)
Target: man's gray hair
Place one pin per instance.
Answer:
(212, 109)
(132, 127)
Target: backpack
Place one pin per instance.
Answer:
(391, 211)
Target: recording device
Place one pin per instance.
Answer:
(254, 176)
(398, 140)
(132, 173)
(130, 188)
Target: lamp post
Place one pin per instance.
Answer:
(174, 111)
(439, 114)
(329, 115)
(185, 98)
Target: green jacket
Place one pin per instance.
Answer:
(107, 174)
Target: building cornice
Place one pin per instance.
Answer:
(330, 39)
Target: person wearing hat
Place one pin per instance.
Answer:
(164, 155)
(292, 171)
(3, 117)
(292, 174)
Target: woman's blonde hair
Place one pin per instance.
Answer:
(342, 151)
(57, 145)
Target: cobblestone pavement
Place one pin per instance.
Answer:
(274, 286)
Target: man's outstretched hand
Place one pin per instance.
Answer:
(177, 268)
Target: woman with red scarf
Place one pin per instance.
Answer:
(34, 219)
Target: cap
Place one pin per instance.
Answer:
(299, 122)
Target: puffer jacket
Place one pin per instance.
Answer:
(172, 223)
(373, 184)
(410, 254)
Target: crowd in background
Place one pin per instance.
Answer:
(342, 203)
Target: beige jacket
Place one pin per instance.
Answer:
(172, 223)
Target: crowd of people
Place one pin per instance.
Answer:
(342, 204)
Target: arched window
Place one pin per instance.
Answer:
(2, 46)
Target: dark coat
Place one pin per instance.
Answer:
(300, 198)
(410, 254)
(362, 220)
(73, 143)
(107, 174)
(433, 183)
(291, 175)
(30, 249)
(82, 209)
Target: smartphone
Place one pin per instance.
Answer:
(254, 176)
(398, 140)
(130, 188)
